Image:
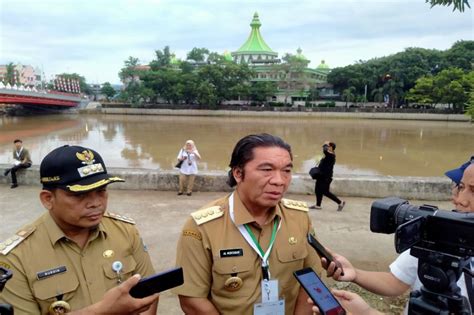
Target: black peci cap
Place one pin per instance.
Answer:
(75, 169)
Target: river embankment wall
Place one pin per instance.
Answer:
(297, 114)
(420, 188)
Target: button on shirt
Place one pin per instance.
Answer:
(88, 272)
(206, 271)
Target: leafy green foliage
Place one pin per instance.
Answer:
(10, 74)
(207, 84)
(457, 4)
(451, 86)
(395, 75)
(470, 106)
(107, 90)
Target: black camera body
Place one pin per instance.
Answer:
(443, 242)
(425, 226)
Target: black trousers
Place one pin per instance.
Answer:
(16, 168)
(322, 187)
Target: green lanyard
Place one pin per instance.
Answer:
(261, 253)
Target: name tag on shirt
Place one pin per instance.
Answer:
(232, 252)
(51, 272)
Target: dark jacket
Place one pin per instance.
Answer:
(326, 165)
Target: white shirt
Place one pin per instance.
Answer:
(405, 269)
(189, 166)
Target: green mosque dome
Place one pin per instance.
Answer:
(323, 66)
(299, 54)
(255, 42)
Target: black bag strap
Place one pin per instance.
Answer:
(469, 285)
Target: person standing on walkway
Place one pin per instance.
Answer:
(323, 183)
(21, 159)
(188, 157)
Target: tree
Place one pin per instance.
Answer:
(292, 71)
(198, 54)
(261, 90)
(10, 75)
(129, 71)
(163, 59)
(348, 95)
(470, 106)
(458, 4)
(107, 90)
(422, 92)
(134, 90)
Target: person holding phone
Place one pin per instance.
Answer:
(188, 157)
(76, 257)
(239, 252)
(403, 273)
(351, 302)
(322, 186)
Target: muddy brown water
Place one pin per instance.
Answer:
(384, 147)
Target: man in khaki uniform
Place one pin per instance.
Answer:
(21, 159)
(250, 241)
(76, 256)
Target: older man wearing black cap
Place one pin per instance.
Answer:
(76, 257)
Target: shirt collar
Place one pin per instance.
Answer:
(55, 233)
(243, 216)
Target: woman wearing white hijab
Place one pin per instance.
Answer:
(188, 157)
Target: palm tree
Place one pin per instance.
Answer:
(348, 94)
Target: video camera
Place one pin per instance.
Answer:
(443, 242)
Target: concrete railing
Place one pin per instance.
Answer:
(279, 114)
(421, 188)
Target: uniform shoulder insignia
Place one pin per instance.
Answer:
(12, 242)
(207, 214)
(294, 204)
(119, 217)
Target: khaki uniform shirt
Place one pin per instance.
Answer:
(24, 156)
(47, 266)
(214, 251)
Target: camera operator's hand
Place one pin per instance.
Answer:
(333, 271)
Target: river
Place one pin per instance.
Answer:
(364, 147)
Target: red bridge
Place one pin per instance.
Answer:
(51, 98)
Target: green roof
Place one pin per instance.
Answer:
(299, 54)
(227, 56)
(255, 42)
(323, 66)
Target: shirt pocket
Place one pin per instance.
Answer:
(57, 287)
(291, 259)
(129, 265)
(225, 268)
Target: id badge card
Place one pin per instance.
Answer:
(269, 290)
(270, 305)
(270, 308)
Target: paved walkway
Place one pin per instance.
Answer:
(160, 216)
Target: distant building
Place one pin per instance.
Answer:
(294, 80)
(25, 75)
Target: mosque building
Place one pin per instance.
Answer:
(294, 78)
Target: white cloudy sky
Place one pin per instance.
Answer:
(93, 38)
